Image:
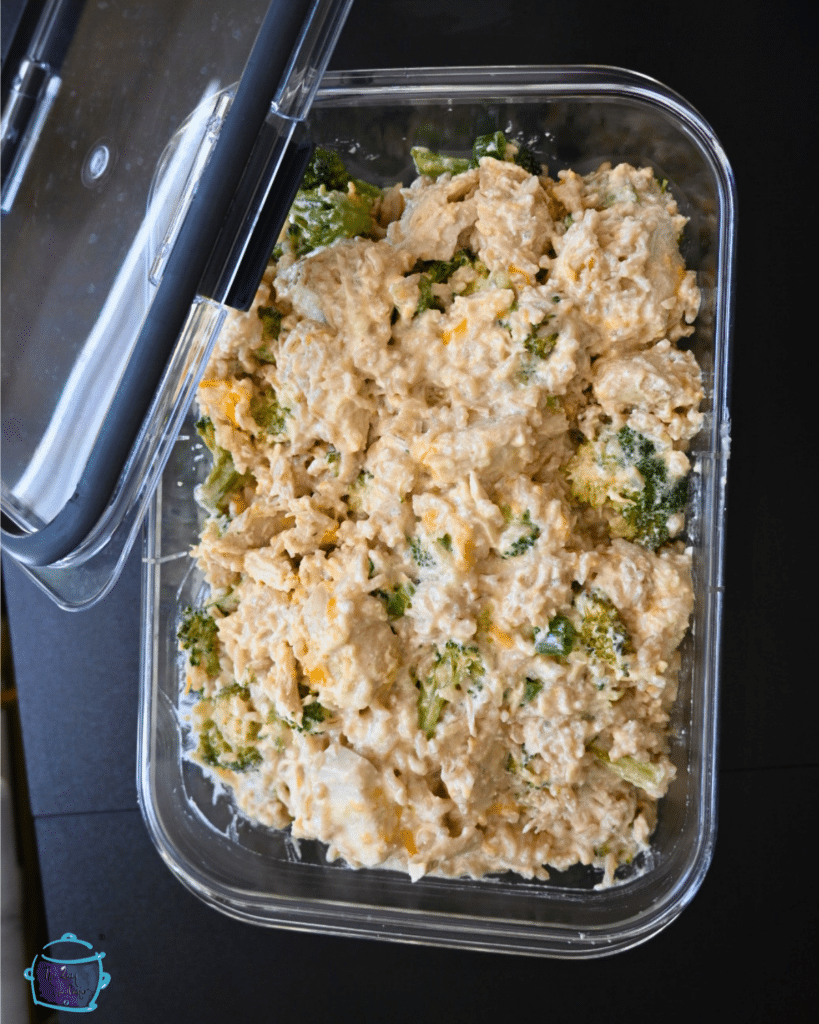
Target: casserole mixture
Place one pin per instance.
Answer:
(447, 589)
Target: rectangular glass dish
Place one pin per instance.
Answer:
(571, 117)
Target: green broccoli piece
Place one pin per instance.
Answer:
(420, 555)
(454, 667)
(214, 750)
(199, 636)
(558, 640)
(319, 217)
(205, 429)
(397, 600)
(312, 715)
(246, 759)
(268, 414)
(223, 482)
(326, 168)
(211, 743)
(358, 490)
(527, 540)
(639, 773)
(526, 159)
(624, 472)
(446, 542)
(330, 204)
(427, 299)
(234, 690)
(271, 329)
(602, 632)
(497, 145)
(493, 145)
(435, 164)
(439, 272)
(271, 322)
(531, 689)
(228, 602)
(541, 341)
(645, 518)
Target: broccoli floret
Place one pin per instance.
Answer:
(271, 322)
(454, 668)
(446, 542)
(541, 340)
(214, 750)
(330, 204)
(319, 217)
(234, 690)
(493, 145)
(639, 773)
(223, 482)
(526, 540)
(498, 146)
(526, 766)
(427, 299)
(199, 636)
(245, 760)
(326, 168)
(397, 600)
(531, 689)
(205, 429)
(228, 602)
(312, 715)
(439, 272)
(558, 640)
(268, 414)
(358, 490)
(624, 472)
(602, 632)
(526, 159)
(434, 164)
(645, 518)
(271, 329)
(333, 458)
(420, 555)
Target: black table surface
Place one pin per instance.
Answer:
(747, 942)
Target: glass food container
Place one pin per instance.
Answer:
(571, 117)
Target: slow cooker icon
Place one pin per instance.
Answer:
(65, 979)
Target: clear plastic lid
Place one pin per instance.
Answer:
(121, 250)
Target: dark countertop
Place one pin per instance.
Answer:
(748, 939)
